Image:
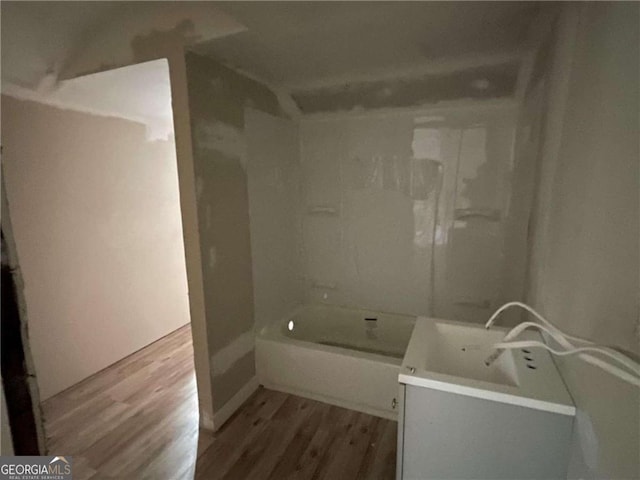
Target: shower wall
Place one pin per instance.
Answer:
(408, 212)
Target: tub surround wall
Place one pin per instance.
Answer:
(411, 211)
(217, 100)
(585, 256)
(517, 244)
(273, 172)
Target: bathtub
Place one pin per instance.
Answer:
(345, 357)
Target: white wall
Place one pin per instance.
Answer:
(408, 211)
(97, 225)
(585, 258)
(273, 182)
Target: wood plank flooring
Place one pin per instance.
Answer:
(138, 419)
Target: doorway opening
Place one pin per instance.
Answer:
(91, 179)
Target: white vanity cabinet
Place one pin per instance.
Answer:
(443, 435)
(458, 418)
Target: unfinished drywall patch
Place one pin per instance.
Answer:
(226, 139)
(212, 253)
(141, 30)
(227, 356)
(38, 37)
(224, 93)
(478, 83)
(217, 99)
(199, 187)
(51, 40)
(190, 227)
(239, 374)
(145, 45)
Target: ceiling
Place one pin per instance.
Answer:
(58, 36)
(310, 44)
(37, 37)
(301, 47)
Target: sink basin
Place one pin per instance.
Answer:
(460, 351)
(450, 356)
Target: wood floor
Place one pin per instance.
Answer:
(138, 419)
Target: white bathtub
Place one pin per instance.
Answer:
(337, 356)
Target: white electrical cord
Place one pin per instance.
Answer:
(615, 355)
(612, 369)
(561, 339)
(535, 314)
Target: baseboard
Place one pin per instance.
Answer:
(234, 403)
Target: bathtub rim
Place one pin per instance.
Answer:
(275, 331)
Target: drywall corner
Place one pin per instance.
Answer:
(218, 97)
(191, 235)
